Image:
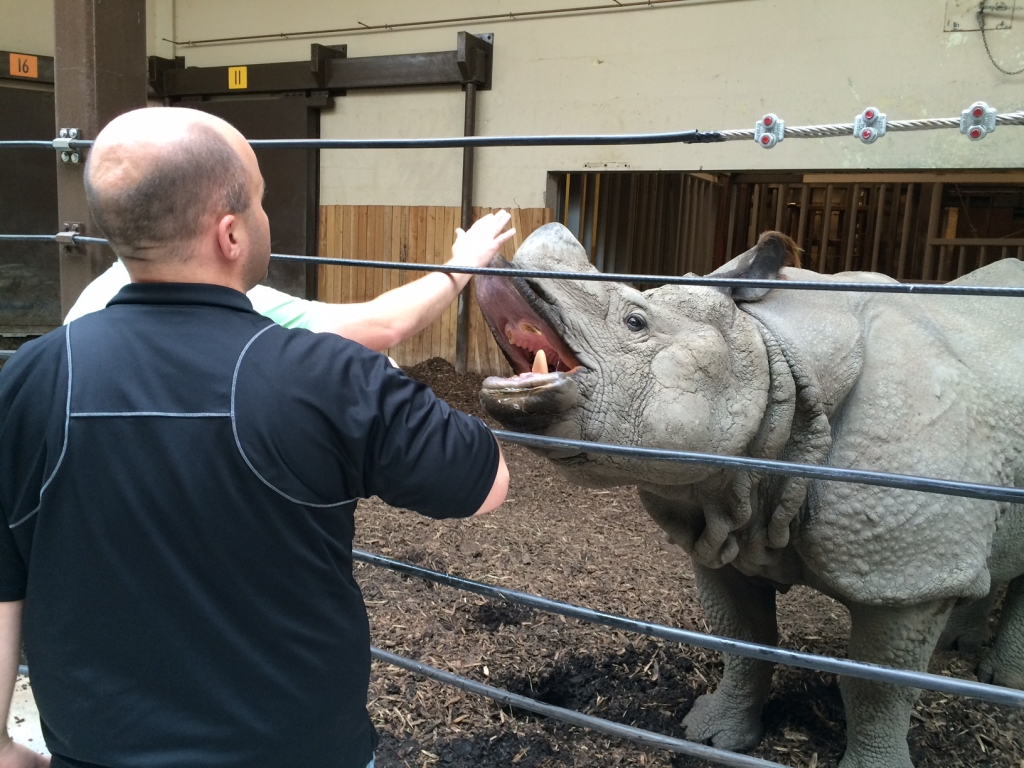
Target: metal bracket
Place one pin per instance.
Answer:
(978, 121)
(474, 55)
(769, 131)
(66, 237)
(67, 154)
(319, 56)
(869, 125)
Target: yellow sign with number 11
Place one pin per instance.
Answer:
(238, 78)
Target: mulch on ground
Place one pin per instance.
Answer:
(597, 549)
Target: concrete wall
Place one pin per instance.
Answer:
(710, 64)
(26, 26)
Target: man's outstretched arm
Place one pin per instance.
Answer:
(401, 312)
(12, 755)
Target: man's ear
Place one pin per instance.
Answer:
(773, 251)
(228, 236)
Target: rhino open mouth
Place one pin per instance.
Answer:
(515, 314)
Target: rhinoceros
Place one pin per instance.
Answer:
(923, 385)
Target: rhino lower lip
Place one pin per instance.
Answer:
(528, 380)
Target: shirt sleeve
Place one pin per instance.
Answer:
(289, 311)
(13, 575)
(425, 455)
(325, 421)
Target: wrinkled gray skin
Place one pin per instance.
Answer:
(925, 385)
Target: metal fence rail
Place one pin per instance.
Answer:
(638, 735)
(875, 672)
(777, 129)
(605, 277)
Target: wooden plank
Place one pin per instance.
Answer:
(440, 256)
(934, 209)
(879, 219)
(852, 213)
(908, 213)
(359, 292)
(1013, 242)
(826, 229)
(451, 319)
(351, 248)
(801, 226)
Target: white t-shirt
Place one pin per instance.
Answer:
(280, 307)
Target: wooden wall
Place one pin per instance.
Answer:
(421, 235)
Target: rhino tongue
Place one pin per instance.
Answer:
(540, 362)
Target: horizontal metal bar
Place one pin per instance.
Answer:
(1013, 242)
(29, 238)
(676, 137)
(875, 672)
(600, 725)
(937, 289)
(6, 353)
(861, 476)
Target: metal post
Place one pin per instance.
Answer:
(99, 73)
(462, 328)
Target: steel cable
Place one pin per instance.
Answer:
(672, 137)
(938, 289)
(772, 466)
(877, 673)
(607, 727)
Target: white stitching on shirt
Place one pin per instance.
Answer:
(238, 442)
(97, 414)
(63, 450)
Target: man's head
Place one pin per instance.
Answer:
(178, 194)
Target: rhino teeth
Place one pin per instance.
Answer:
(540, 362)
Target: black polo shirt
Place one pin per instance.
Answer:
(178, 476)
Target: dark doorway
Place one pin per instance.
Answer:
(292, 177)
(29, 272)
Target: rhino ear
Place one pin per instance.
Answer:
(773, 251)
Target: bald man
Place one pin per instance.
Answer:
(378, 324)
(179, 474)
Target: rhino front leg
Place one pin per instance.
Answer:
(967, 629)
(744, 608)
(1004, 663)
(878, 715)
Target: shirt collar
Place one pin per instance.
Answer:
(183, 293)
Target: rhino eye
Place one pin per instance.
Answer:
(636, 322)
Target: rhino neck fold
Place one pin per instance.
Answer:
(745, 518)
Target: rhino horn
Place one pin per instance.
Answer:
(773, 251)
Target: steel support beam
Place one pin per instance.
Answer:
(99, 73)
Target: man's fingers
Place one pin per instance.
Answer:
(505, 236)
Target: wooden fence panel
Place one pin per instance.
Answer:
(419, 235)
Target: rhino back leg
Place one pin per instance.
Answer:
(878, 715)
(744, 608)
(1004, 663)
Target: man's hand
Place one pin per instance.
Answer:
(14, 755)
(476, 247)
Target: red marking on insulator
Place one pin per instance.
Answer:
(978, 112)
(869, 115)
(766, 139)
(975, 133)
(767, 120)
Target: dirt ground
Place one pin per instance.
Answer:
(597, 549)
